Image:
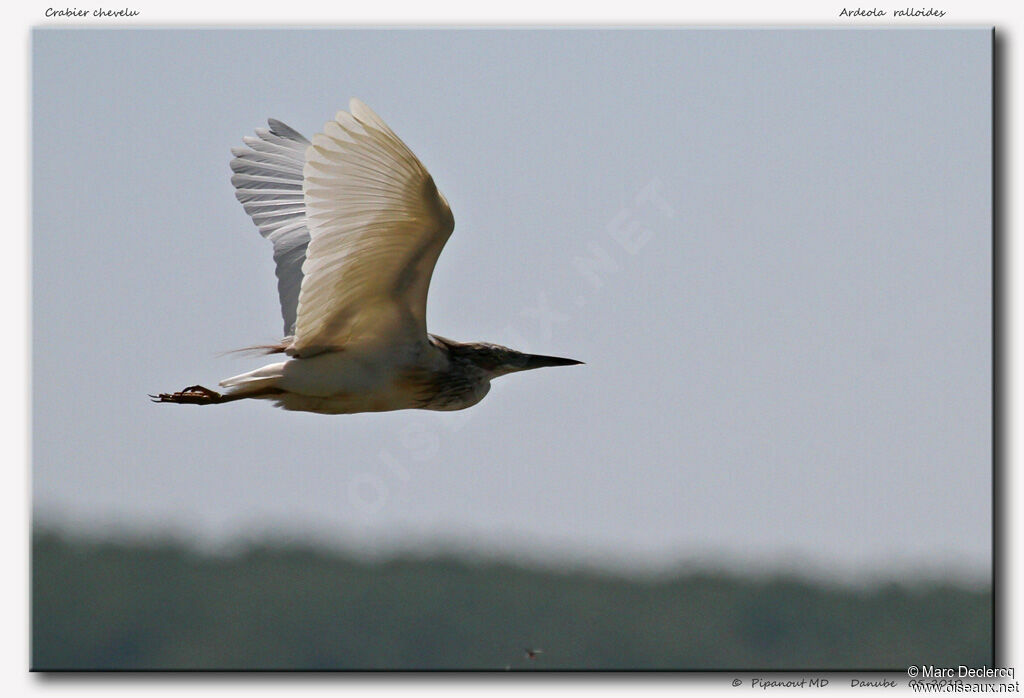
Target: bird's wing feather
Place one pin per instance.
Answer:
(377, 224)
(268, 183)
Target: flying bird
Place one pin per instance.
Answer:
(357, 225)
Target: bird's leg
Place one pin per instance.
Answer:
(200, 389)
(192, 395)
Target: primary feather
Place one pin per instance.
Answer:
(268, 183)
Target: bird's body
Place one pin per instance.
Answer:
(357, 226)
(409, 376)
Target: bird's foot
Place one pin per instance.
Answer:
(192, 395)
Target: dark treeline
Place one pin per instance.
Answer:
(163, 606)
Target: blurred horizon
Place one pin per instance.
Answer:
(161, 605)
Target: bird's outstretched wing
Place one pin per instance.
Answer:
(268, 183)
(377, 224)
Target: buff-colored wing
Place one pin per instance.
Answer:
(377, 224)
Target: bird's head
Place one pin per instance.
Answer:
(498, 360)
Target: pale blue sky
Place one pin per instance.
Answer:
(787, 339)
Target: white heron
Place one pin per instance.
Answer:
(357, 226)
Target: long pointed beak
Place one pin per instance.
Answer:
(539, 361)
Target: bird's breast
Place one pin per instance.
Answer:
(449, 389)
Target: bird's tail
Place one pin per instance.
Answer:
(262, 381)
